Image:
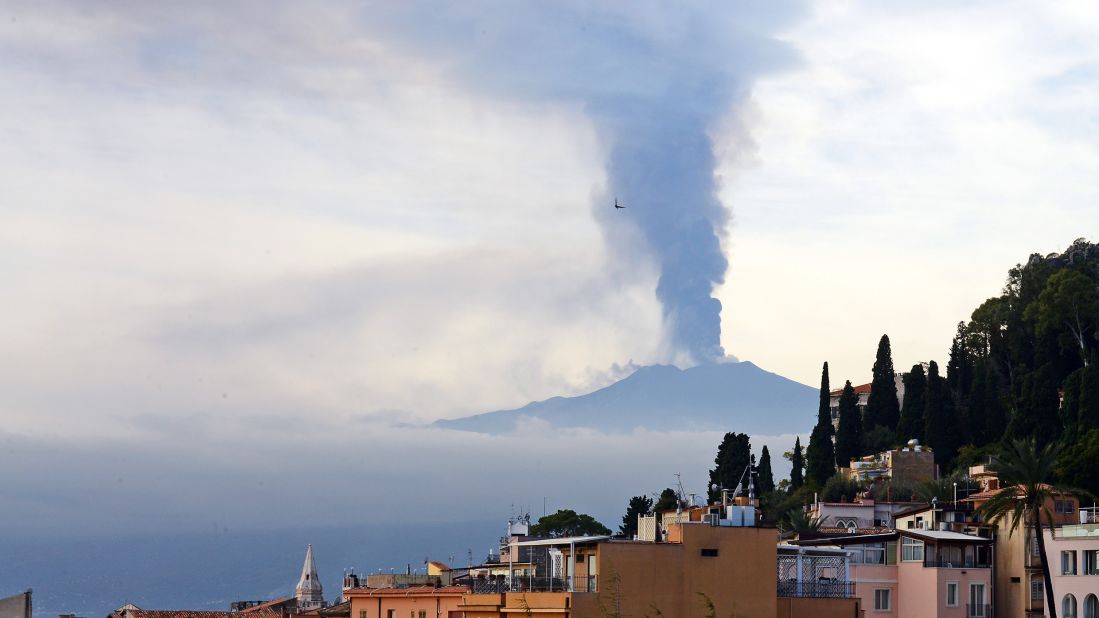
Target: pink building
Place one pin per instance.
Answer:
(919, 573)
(1072, 552)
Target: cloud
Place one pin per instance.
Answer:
(206, 472)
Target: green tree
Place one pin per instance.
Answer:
(986, 413)
(667, 501)
(765, 479)
(839, 488)
(797, 466)
(798, 521)
(1080, 409)
(1036, 413)
(733, 455)
(882, 408)
(849, 433)
(820, 455)
(1026, 473)
(940, 424)
(915, 392)
(1069, 304)
(1077, 465)
(638, 505)
(567, 522)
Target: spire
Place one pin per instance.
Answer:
(309, 591)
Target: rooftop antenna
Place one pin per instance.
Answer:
(679, 495)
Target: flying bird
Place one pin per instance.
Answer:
(616, 203)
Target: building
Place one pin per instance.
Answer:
(863, 392)
(864, 513)
(918, 573)
(913, 463)
(16, 606)
(130, 610)
(410, 602)
(1072, 551)
(309, 592)
(1019, 586)
(697, 557)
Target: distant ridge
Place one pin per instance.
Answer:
(719, 396)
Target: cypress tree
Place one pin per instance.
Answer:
(940, 423)
(849, 434)
(733, 456)
(797, 466)
(915, 391)
(820, 456)
(1080, 409)
(765, 479)
(1036, 413)
(882, 408)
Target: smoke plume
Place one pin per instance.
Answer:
(654, 79)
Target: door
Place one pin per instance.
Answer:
(977, 607)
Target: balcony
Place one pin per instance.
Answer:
(819, 589)
(535, 584)
(981, 610)
(967, 562)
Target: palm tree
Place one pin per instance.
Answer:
(797, 520)
(1025, 471)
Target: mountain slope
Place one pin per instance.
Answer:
(727, 396)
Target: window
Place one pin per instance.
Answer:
(977, 600)
(1068, 563)
(1091, 606)
(423, 613)
(391, 613)
(1091, 562)
(709, 553)
(882, 600)
(950, 556)
(911, 550)
(362, 613)
(1064, 506)
(951, 594)
(1036, 590)
(1068, 606)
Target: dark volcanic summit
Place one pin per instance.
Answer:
(719, 396)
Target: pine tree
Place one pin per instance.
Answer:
(915, 391)
(849, 434)
(882, 409)
(667, 501)
(765, 479)
(797, 466)
(733, 456)
(820, 456)
(638, 505)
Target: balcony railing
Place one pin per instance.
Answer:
(981, 610)
(967, 562)
(824, 588)
(535, 584)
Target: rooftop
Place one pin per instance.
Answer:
(411, 591)
(565, 540)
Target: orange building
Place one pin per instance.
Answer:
(412, 602)
(732, 568)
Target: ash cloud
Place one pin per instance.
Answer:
(654, 80)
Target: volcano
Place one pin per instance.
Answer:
(738, 397)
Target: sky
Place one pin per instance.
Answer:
(245, 247)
